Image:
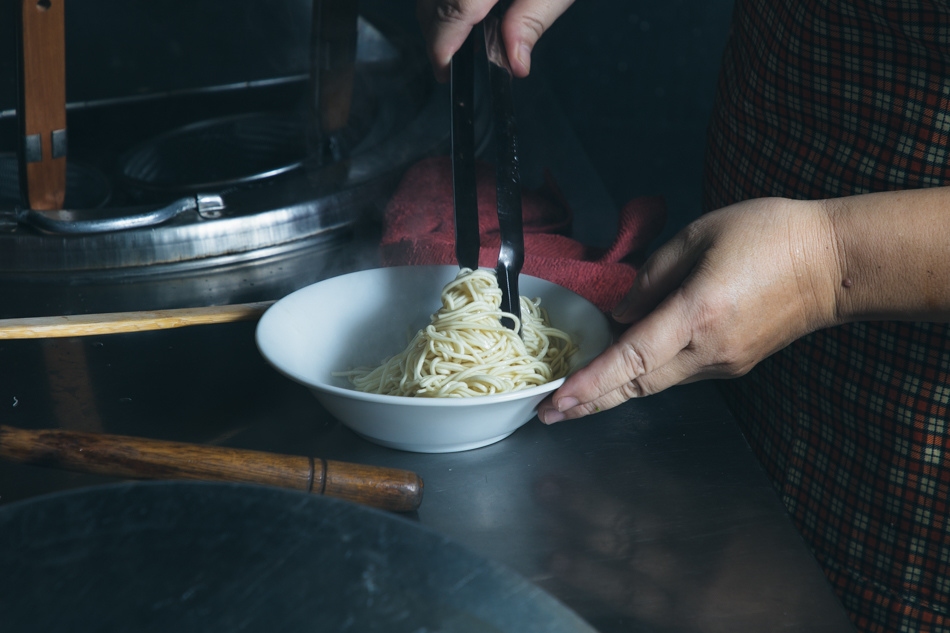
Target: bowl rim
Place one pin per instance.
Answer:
(424, 401)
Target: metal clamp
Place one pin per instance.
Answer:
(58, 143)
(33, 146)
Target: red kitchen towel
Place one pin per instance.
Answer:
(419, 228)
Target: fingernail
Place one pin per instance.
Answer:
(524, 56)
(566, 403)
(550, 416)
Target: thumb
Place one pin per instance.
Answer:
(524, 24)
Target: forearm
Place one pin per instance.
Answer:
(893, 254)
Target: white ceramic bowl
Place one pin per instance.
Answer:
(364, 317)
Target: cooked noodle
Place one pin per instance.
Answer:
(466, 351)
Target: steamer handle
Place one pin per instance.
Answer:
(91, 221)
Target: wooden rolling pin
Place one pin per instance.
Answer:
(138, 458)
(118, 322)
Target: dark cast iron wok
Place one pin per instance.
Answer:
(188, 557)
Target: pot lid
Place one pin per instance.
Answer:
(162, 556)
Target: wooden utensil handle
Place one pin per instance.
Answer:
(334, 37)
(119, 322)
(140, 458)
(43, 102)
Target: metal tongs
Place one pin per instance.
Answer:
(507, 176)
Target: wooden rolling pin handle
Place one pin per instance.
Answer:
(389, 488)
(140, 458)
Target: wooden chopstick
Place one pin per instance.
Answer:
(118, 322)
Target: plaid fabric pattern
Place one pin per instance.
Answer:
(821, 99)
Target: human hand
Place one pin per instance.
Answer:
(732, 288)
(446, 23)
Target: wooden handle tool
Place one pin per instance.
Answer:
(333, 41)
(118, 322)
(43, 102)
(139, 458)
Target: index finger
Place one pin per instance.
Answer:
(445, 25)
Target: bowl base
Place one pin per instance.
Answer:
(440, 448)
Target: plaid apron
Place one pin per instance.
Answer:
(820, 99)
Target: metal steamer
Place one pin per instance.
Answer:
(215, 180)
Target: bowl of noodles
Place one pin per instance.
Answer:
(416, 358)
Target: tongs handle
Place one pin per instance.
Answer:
(507, 174)
(462, 87)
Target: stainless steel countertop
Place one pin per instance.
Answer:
(654, 516)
